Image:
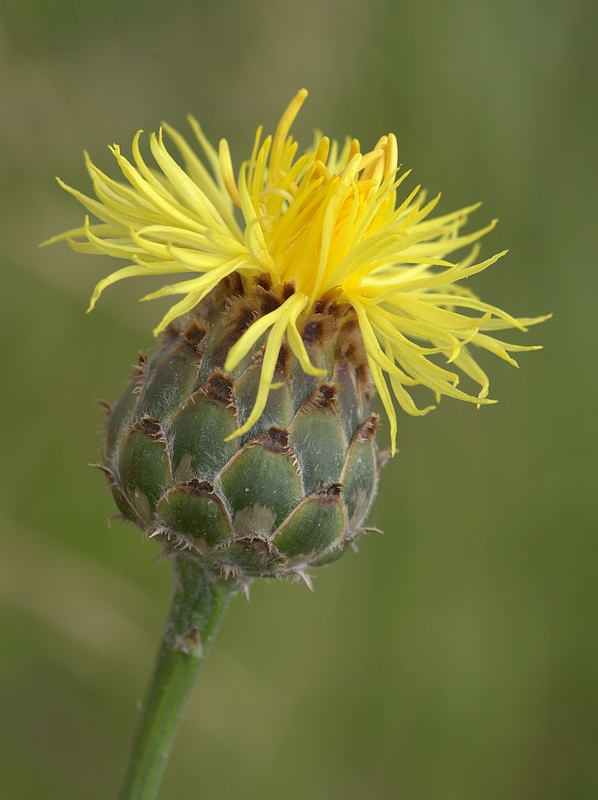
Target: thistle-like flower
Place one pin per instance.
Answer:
(246, 444)
(309, 285)
(326, 227)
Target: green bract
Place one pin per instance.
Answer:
(291, 493)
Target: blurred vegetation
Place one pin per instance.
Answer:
(452, 659)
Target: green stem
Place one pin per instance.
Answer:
(197, 607)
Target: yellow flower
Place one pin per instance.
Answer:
(328, 223)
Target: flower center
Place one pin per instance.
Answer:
(306, 216)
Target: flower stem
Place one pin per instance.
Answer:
(197, 607)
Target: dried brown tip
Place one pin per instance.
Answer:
(322, 398)
(351, 343)
(219, 388)
(367, 430)
(318, 328)
(194, 334)
(232, 284)
(150, 426)
(239, 315)
(288, 290)
(267, 301)
(140, 366)
(275, 440)
(264, 281)
(254, 544)
(331, 491)
(327, 299)
(194, 487)
(284, 356)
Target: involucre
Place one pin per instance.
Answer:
(291, 493)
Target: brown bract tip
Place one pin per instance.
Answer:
(327, 300)
(150, 426)
(275, 439)
(266, 300)
(264, 281)
(321, 398)
(351, 343)
(194, 487)
(367, 430)
(325, 394)
(284, 356)
(140, 366)
(232, 284)
(318, 328)
(288, 290)
(254, 544)
(219, 388)
(194, 334)
(240, 313)
(331, 491)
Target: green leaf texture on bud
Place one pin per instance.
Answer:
(293, 491)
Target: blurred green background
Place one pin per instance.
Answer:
(454, 658)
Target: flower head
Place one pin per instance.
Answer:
(327, 227)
